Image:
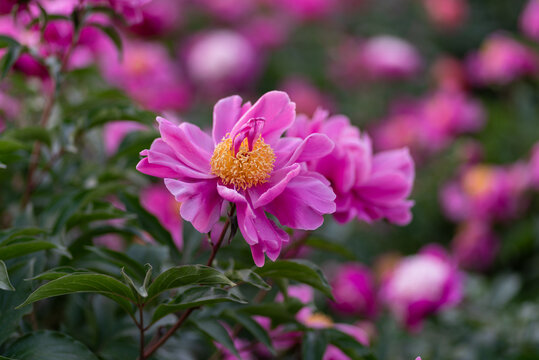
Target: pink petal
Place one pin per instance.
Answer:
(225, 114)
(263, 194)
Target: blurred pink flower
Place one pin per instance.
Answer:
(368, 187)
(447, 14)
(306, 96)
(159, 17)
(9, 109)
(228, 10)
(148, 74)
(114, 133)
(267, 31)
(129, 9)
(220, 60)
(529, 20)
(475, 246)
(421, 285)
(247, 163)
(354, 290)
(486, 192)
(334, 353)
(500, 60)
(534, 166)
(157, 200)
(389, 57)
(449, 74)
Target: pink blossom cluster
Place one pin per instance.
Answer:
(248, 163)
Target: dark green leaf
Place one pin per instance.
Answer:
(8, 146)
(330, 246)
(6, 41)
(299, 270)
(15, 233)
(313, 345)
(90, 283)
(56, 273)
(187, 275)
(79, 219)
(49, 345)
(23, 248)
(31, 134)
(217, 332)
(9, 58)
(5, 284)
(346, 343)
(121, 260)
(194, 297)
(278, 312)
(253, 327)
(103, 114)
(248, 276)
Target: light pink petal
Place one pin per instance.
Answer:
(190, 144)
(225, 114)
(263, 194)
(201, 203)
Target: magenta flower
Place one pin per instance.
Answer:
(149, 75)
(421, 285)
(368, 187)
(158, 17)
(220, 60)
(159, 202)
(486, 192)
(501, 60)
(447, 14)
(389, 57)
(247, 163)
(475, 246)
(529, 20)
(114, 133)
(354, 290)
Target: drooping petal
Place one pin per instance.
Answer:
(225, 114)
(263, 194)
(201, 203)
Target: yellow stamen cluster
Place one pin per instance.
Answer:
(245, 168)
(478, 180)
(319, 320)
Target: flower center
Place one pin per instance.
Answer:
(319, 321)
(478, 181)
(244, 168)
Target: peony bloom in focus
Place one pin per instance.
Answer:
(149, 75)
(354, 290)
(389, 57)
(501, 60)
(529, 20)
(247, 163)
(368, 187)
(220, 60)
(486, 193)
(157, 200)
(475, 246)
(421, 285)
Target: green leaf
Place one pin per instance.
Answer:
(56, 273)
(194, 297)
(148, 222)
(79, 219)
(346, 343)
(86, 282)
(9, 58)
(23, 248)
(299, 270)
(15, 233)
(49, 345)
(112, 33)
(313, 345)
(278, 312)
(249, 277)
(121, 260)
(8, 146)
(6, 41)
(217, 332)
(187, 275)
(5, 284)
(139, 290)
(329, 246)
(103, 114)
(31, 134)
(253, 327)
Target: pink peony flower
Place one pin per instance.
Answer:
(220, 60)
(354, 291)
(149, 75)
(529, 20)
(421, 285)
(266, 31)
(501, 60)
(449, 74)
(368, 187)
(389, 57)
(534, 166)
(157, 200)
(447, 14)
(475, 246)
(486, 192)
(247, 163)
(114, 133)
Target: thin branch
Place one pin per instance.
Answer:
(141, 328)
